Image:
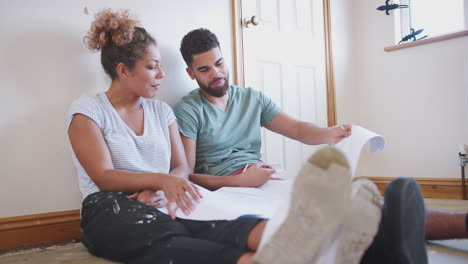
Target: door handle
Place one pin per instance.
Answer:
(253, 21)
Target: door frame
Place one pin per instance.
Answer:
(238, 53)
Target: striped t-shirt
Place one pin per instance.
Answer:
(150, 152)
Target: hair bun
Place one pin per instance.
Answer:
(109, 26)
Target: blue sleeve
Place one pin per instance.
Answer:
(187, 119)
(269, 108)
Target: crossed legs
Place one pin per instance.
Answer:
(323, 209)
(446, 224)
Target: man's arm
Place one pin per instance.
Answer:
(210, 182)
(306, 132)
(190, 147)
(254, 176)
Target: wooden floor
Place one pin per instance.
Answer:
(447, 204)
(71, 254)
(445, 252)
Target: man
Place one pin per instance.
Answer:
(220, 128)
(220, 124)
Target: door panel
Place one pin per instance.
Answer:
(284, 57)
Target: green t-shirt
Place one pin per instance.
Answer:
(226, 141)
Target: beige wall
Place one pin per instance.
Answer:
(45, 65)
(415, 97)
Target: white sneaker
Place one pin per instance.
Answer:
(312, 215)
(360, 224)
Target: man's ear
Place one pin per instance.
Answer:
(122, 70)
(190, 73)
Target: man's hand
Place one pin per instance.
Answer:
(150, 197)
(255, 176)
(336, 133)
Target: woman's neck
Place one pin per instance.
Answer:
(121, 97)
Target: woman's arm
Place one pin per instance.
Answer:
(91, 151)
(179, 169)
(179, 166)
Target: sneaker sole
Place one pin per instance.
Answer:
(311, 223)
(361, 223)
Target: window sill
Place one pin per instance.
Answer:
(427, 40)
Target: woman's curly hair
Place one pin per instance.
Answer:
(119, 38)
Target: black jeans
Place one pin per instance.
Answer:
(125, 230)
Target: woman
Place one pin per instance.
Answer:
(123, 144)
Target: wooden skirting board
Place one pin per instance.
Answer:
(47, 229)
(39, 230)
(440, 188)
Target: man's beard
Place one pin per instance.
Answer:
(216, 91)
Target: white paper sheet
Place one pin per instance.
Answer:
(231, 202)
(353, 145)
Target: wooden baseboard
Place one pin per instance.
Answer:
(39, 230)
(47, 229)
(440, 188)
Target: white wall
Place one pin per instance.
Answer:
(415, 97)
(344, 60)
(44, 66)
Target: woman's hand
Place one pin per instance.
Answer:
(255, 176)
(150, 197)
(182, 192)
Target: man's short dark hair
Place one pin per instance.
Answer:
(197, 41)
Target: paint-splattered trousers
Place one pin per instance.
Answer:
(124, 230)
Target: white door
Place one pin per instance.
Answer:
(284, 57)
